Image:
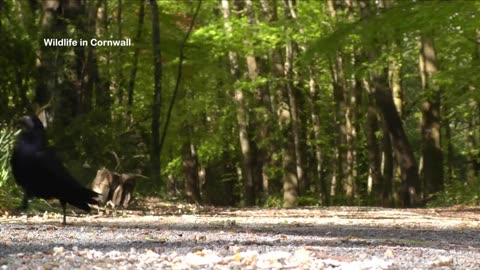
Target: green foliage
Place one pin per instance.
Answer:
(173, 167)
(9, 196)
(274, 202)
(457, 193)
(7, 139)
(309, 201)
(205, 114)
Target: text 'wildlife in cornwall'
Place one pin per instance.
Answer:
(69, 42)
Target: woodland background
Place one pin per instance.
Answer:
(274, 103)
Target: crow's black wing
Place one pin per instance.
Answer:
(27, 171)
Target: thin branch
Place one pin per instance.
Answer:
(116, 159)
(179, 75)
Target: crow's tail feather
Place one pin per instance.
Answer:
(83, 198)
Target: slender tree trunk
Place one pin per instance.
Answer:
(314, 96)
(279, 105)
(396, 85)
(448, 145)
(269, 15)
(339, 88)
(350, 132)
(190, 169)
(242, 118)
(119, 60)
(375, 182)
(341, 94)
(103, 100)
(133, 71)
(431, 128)
(88, 72)
(293, 95)
(471, 144)
(290, 180)
(81, 62)
(178, 80)
(401, 145)
(295, 121)
(387, 168)
(49, 65)
(260, 118)
(473, 127)
(157, 94)
(394, 72)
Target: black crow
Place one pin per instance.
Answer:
(41, 174)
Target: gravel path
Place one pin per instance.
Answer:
(317, 238)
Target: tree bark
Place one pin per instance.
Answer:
(396, 85)
(103, 100)
(136, 53)
(87, 67)
(260, 117)
(339, 89)
(472, 130)
(50, 59)
(375, 182)
(242, 118)
(119, 58)
(387, 168)
(344, 182)
(431, 128)
(190, 169)
(403, 150)
(293, 94)
(281, 107)
(157, 95)
(322, 181)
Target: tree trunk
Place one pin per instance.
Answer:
(119, 60)
(449, 146)
(431, 128)
(136, 53)
(472, 130)
(401, 145)
(471, 144)
(387, 168)
(242, 118)
(157, 95)
(339, 89)
(260, 116)
(341, 94)
(322, 182)
(290, 180)
(49, 65)
(87, 68)
(279, 105)
(396, 85)
(190, 169)
(103, 100)
(290, 13)
(375, 183)
(295, 119)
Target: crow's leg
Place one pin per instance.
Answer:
(24, 204)
(64, 207)
(23, 207)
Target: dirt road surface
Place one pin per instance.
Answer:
(222, 238)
